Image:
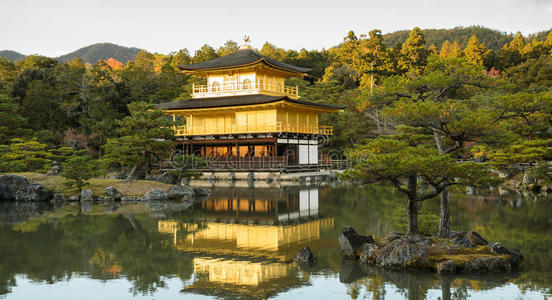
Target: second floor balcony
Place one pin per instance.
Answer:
(244, 88)
(269, 127)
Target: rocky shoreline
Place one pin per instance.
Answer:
(463, 252)
(18, 188)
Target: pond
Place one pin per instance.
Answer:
(240, 243)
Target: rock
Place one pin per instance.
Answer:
(113, 193)
(201, 192)
(86, 195)
(180, 192)
(58, 197)
(33, 192)
(514, 256)
(461, 240)
(476, 239)
(165, 177)
(9, 184)
(368, 253)
(74, 198)
(446, 267)
(156, 195)
(393, 236)
(305, 256)
(399, 252)
(132, 199)
(350, 242)
(488, 264)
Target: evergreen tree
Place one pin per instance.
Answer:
(146, 132)
(476, 53)
(413, 54)
(79, 169)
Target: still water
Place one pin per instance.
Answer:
(240, 243)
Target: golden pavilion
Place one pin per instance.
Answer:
(245, 117)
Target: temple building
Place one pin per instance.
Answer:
(245, 117)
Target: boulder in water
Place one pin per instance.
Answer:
(305, 256)
(351, 242)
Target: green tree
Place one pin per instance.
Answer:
(413, 54)
(476, 53)
(24, 156)
(79, 169)
(12, 124)
(436, 103)
(205, 53)
(146, 132)
(228, 47)
(397, 163)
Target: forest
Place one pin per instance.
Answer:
(461, 90)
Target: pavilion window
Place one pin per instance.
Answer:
(215, 87)
(247, 84)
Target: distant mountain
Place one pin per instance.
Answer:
(492, 38)
(95, 52)
(11, 55)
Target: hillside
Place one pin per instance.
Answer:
(11, 55)
(492, 38)
(95, 52)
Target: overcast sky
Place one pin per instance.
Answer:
(56, 27)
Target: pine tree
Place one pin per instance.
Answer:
(455, 50)
(413, 53)
(475, 52)
(445, 49)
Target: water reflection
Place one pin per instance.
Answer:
(246, 239)
(241, 241)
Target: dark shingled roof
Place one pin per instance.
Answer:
(236, 101)
(240, 58)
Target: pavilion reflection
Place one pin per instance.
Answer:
(246, 239)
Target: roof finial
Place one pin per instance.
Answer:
(246, 43)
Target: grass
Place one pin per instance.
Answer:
(133, 188)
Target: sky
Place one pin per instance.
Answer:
(57, 27)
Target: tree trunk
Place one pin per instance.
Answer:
(412, 217)
(444, 221)
(444, 218)
(412, 205)
(131, 174)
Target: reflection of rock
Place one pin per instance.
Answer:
(86, 206)
(305, 256)
(350, 242)
(17, 212)
(9, 184)
(113, 193)
(350, 271)
(447, 266)
(33, 192)
(180, 192)
(112, 206)
(155, 195)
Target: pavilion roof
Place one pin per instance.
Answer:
(240, 58)
(230, 101)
